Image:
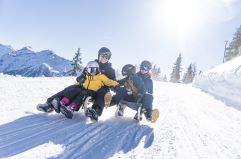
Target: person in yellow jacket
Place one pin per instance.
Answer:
(73, 98)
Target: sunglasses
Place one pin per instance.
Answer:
(106, 55)
(92, 70)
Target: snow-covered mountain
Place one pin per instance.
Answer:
(223, 81)
(192, 124)
(28, 63)
(5, 49)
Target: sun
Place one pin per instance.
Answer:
(179, 17)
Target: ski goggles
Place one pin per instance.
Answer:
(145, 69)
(92, 70)
(106, 55)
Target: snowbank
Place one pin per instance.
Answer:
(223, 81)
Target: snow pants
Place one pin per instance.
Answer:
(60, 94)
(146, 101)
(75, 93)
(99, 102)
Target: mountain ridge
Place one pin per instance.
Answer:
(28, 63)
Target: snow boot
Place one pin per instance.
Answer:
(154, 115)
(107, 99)
(46, 107)
(120, 109)
(92, 114)
(66, 109)
(56, 105)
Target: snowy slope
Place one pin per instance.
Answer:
(192, 124)
(223, 82)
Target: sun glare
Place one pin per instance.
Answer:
(179, 17)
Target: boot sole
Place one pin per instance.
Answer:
(66, 112)
(56, 105)
(155, 115)
(107, 99)
(91, 116)
(39, 108)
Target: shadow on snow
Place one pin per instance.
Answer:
(79, 138)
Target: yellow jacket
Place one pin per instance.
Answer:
(97, 81)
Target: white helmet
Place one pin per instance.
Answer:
(92, 67)
(92, 64)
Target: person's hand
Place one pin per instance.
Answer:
(80, 79)
(115, 89)
(77, 83)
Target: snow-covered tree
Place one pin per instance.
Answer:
(76, 63)
(233, 50)
(175, 75)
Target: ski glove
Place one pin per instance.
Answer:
(80, 79)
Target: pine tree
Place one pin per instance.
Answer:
(76, 63)
(156, 73)
(188, 76)
(233, 50)
(175, 75)
(239, 51)
(194, 69)
(164, 78)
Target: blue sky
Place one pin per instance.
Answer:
(134, 30)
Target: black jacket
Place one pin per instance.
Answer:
(107, 70)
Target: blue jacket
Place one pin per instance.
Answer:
(146, 78)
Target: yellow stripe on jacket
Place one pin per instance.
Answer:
(97, 81)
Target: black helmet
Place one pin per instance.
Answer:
(128, 70)
(146, 65)
(105, 52)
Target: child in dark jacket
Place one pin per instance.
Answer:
(137, 88)
(147, 101)
(133, 88)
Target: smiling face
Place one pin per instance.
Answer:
(103, 59)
